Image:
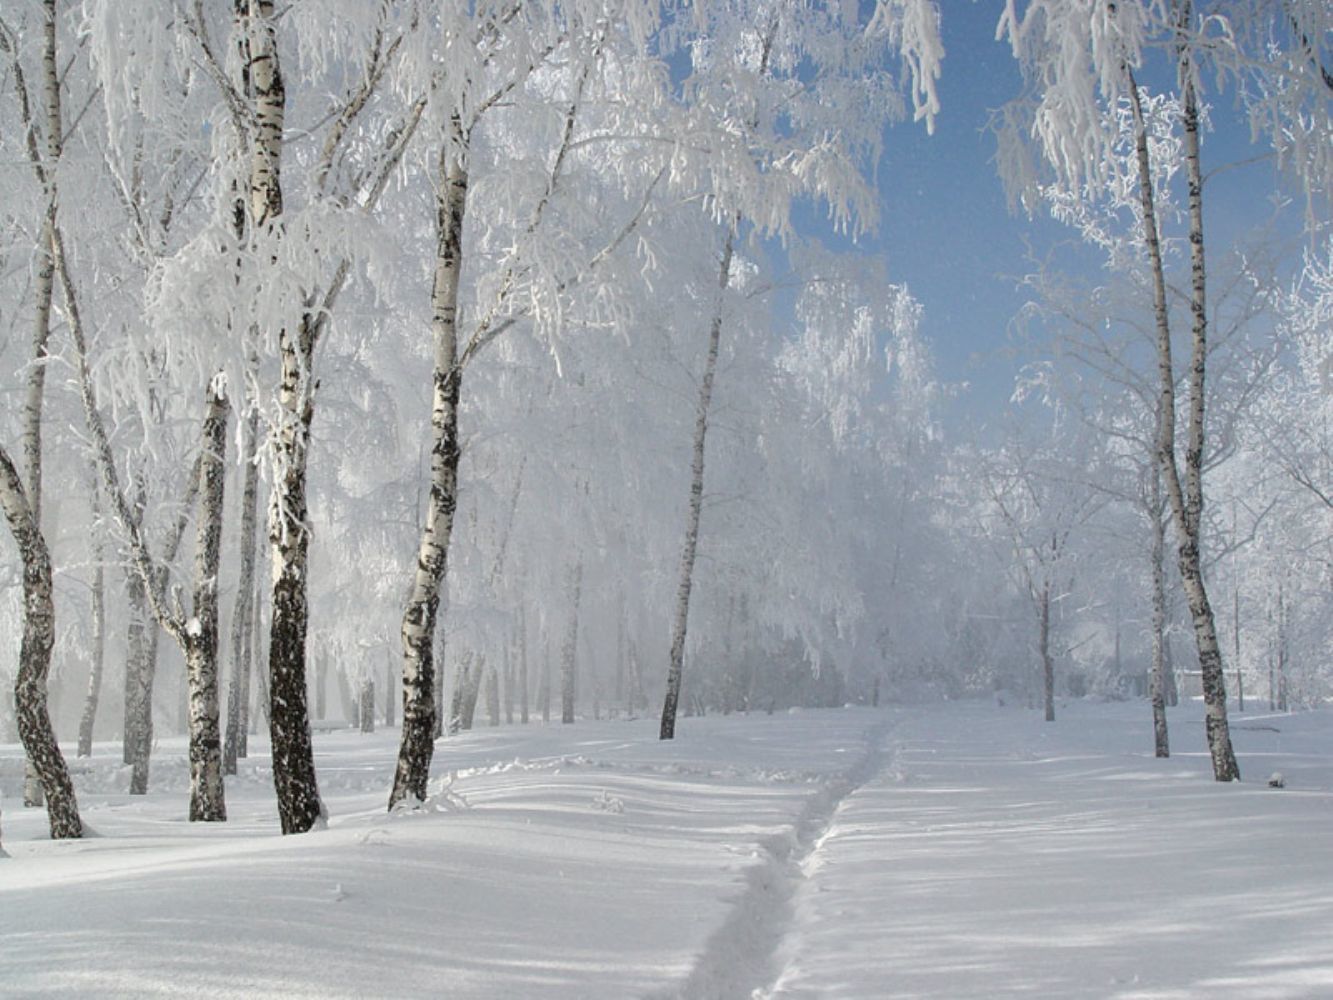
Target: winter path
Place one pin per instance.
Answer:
(958, 850)
(577, 861)
(999, 855)
(741, 954)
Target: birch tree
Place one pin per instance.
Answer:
(1081, 57)
(509, 49)
(767, 72)
(43, 127)
(34, 724)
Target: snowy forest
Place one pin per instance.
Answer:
(424, 371)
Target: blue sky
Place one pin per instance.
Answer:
(946, 229)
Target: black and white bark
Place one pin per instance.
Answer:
(1157, 681)
(196, 638)
(1186, 498)
(44, 145)
(207, 799)
(299, 805)
(420, 617)
(34, 723)
(690, 546)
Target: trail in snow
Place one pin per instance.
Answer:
(972, 851)
(743, 957)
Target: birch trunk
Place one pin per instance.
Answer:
(691, 544)
(1047, 662)
(299, 805)
(34, 724)
(1189, 507)
(242, 619)
(1235, 625)
(207, 800)
(142, 629)
(45, 167)
(140, 669)
(439, 662)
(366, 708)
(419, 618)
(523, 666)
(508, 674)
(1157, 681)
(544, 682)
(1187, 499)
(1283, 703)
(456, 699)
(470, 677)
(569, 652)
(45, 164)
(248, 715)
(493, 697)
(88, 721)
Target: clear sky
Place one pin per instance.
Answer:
(946, 229)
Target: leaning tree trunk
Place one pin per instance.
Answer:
(142, 632)
(89, 718)
(34, 724)
(207, 800)
(1186, 499)
(471, 677)
(691, 544)
(44, 163)
(419, 619)
(1189, 513)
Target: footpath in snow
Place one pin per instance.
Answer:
(999, 855)
(960, 850)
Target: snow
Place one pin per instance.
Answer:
(953, 850)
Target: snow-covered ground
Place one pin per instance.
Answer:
(938, 851)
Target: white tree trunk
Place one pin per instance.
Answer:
(207, 800)
(1186, 500)
(34, 724)
(242, 619)
(419, 619)
(1047, 661)
(299, 805)
(1157, 680)
(691, 544)
(523, 665)
(89, 718)
(1189, 515)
